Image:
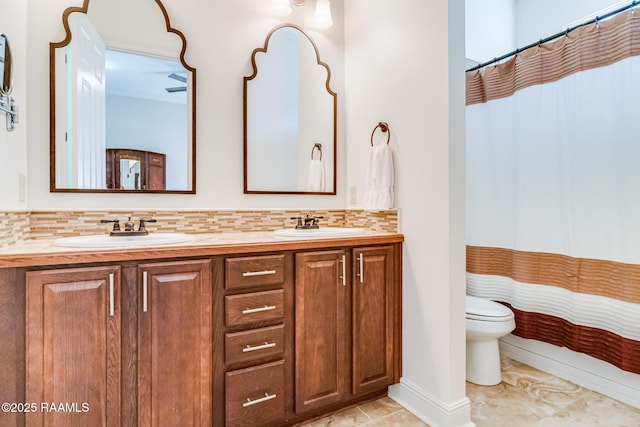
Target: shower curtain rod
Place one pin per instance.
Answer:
(555, 36)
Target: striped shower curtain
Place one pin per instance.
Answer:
(553, 190)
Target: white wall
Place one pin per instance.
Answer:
(405, 66)
(142, 124)
(537, 19)
(13, 145)
(497, 27)
(221, 36)
(490, 28)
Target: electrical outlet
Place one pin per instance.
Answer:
(353, 195)
(22, 187)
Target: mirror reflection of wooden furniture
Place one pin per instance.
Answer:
(135, 170)
(289, 108)
(120, 74)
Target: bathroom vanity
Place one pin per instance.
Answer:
(242, 329)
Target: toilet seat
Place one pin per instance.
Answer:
(486, 310)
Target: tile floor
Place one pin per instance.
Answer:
(382, 412)
(525, 397)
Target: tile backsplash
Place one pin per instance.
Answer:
(14, 227)
(18, 226)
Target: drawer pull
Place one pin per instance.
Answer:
(266, 397)
(249, 348)
(258, 273)
(258, 310)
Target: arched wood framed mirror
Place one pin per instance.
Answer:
(119, 81)
(290, 137)
(6, 66)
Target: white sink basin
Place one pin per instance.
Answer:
(106, 241)
(318, 233)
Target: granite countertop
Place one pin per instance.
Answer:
(42, 252)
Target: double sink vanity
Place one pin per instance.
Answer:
(195, 328)
(225, 329)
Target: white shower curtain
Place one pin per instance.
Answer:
(556, 167)
(553, 209)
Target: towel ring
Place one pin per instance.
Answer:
(384, 127)
(319, 147)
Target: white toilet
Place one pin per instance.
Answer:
(486, 322)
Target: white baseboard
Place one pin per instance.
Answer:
(578, 368)
(432, 411)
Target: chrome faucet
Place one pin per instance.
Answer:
(129, 227)
(308, 222)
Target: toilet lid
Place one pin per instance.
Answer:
(486, 308)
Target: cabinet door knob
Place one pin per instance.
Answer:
(344, 270)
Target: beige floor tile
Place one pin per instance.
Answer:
(540, 385)
(350, 418)
(527, 397)
(380, 408)
(402, 418)
(596, 410)
(503, 404)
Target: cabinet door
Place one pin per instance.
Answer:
(155, 171)
(372, 321)
(175, 344)
(73, 346)
(322, 329)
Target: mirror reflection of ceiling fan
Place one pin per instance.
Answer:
(178, 88)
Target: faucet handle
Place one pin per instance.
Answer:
(141, 227)
(299, 218)
(116, 223)
(316, 219)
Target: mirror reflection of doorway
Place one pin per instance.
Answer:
(130, 174)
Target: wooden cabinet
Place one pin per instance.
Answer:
(73, 346)
(74, 332)
(255, 396)
(174, 344)
(322, 328)
(258, 339)
(268, 339)
(156, 171)
(345, 325)
(372, 319)
(135, 170)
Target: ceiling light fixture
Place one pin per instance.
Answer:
(322, 17)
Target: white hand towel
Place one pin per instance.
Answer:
(378, 192)
(316, 180)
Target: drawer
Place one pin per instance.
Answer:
(155, 159)
(251, 271)
(254, 307)
(255, 344)
(255, 396)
